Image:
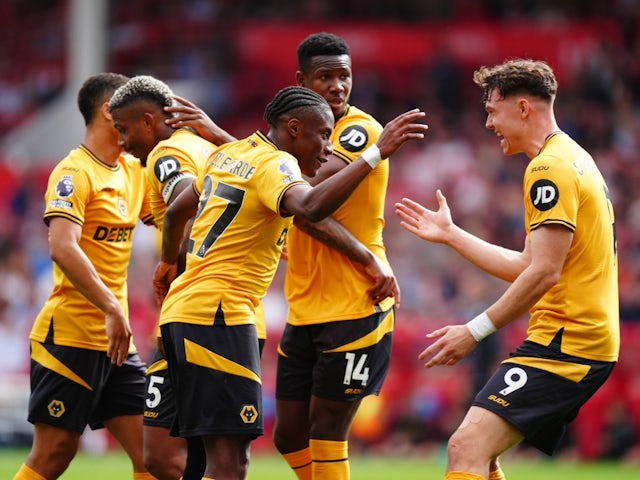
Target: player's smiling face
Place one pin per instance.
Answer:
(314, 142)
(330, 76)
(504, 118)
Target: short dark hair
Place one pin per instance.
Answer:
(317, 44)
(96, 90)
(142, 87)
(291, 101)
(532, 77)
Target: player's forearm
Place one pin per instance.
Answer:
(82, 274)
(326, 197)
(173, 227)
(498, 261)
(333, 234)
(520, 297)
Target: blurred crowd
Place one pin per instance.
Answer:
(598, 104)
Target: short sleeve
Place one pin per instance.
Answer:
(68, 191)
(551, 193)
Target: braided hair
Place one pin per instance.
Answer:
(318, 44)
(292, 101)
(142, 87)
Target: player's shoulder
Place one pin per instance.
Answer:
(78, 161)
(356, 116)
(130, 162)
(354, 132)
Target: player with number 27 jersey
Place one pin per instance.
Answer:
(240, 200)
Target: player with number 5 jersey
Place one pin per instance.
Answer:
(172, 158)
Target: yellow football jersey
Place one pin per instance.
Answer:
(107, 202)
(173, 160)
(237, 236)
(322, 284)
(178, 158)
(563, 186)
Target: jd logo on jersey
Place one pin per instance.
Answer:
(166, 167)
(354, 138)
(56, 408)
(544, 195)
(249, 414)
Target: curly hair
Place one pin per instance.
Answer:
(322, 43)
(142, 87)
(532, 77)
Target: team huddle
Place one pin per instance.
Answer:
(309, 190)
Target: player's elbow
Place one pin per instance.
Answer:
(547, 278)
(311, 212)
(59, 253)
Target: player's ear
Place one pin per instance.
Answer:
(104, 111)
(524, 106)
(294, 127)
(149, 119)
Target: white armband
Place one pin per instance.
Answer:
(481, 326)
(372, 155)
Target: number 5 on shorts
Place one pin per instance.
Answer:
(155, 396)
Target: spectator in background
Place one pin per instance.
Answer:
(566, 277)
(84, 366)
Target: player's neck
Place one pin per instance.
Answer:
(102, 146)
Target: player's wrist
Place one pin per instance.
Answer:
(372, 155)
(481, 327)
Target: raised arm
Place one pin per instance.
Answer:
(438, 227)
(314, 204)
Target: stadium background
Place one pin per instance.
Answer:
(231, 56)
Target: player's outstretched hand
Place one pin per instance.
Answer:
(404, 127)
(424, 223)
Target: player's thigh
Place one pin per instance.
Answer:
(540, 390)
(123, 393)
(296, 361)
